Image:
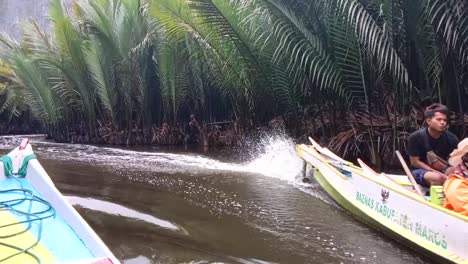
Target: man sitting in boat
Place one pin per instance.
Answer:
(456, 186)
(430, 147)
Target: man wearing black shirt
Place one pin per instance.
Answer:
(430, 147)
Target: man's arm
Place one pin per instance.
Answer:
(417, 163)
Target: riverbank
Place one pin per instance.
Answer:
(351, 135)
(370, 137)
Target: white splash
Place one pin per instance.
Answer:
(278, 159)
(274, 156)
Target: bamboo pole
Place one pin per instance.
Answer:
(409, 174)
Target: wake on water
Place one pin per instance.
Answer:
(272, 156)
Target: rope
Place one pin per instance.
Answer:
(31, 216)
(8, 165)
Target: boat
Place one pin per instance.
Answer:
(390, 204)
(37, 223)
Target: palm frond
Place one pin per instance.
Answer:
(373, 38)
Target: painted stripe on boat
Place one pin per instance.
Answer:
(57, 237)
(24, 240)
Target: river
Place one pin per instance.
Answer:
(176, 205)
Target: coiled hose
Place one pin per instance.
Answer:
(29, 215)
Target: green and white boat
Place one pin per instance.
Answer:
(389, 204)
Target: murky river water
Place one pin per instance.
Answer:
(153, 205)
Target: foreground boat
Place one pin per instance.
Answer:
(387, 203)
(37, 224)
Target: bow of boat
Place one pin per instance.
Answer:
(38, 225)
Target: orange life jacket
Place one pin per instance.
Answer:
(456, 193)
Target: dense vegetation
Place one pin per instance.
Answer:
(132, 71)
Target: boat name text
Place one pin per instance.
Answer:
(403, 220)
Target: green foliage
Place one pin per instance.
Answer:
(138, 63)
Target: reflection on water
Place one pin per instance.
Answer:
(139, 201)
(138, 260)
(115, 209)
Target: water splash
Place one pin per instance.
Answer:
(276, 157)
(272, 156)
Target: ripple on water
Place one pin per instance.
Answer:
(116, 209)
(137, 260)
(275, 157)
(270, 208)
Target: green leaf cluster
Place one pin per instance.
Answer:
(138, 63)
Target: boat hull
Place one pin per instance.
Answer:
(398, 213)
(362, 217)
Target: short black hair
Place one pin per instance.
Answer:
(435, 108)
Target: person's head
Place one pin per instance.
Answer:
(460, 154)
(436, 117)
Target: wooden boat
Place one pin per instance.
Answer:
(386, 203)
(37, 224)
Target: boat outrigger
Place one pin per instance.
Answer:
(37, 224)
(389, 204)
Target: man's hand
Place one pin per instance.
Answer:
(449, 171)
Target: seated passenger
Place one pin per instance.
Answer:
(430, 147)
(456, 186)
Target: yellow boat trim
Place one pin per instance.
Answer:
(23, 240)
(402, 183)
